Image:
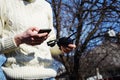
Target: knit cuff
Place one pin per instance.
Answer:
(8, 44)
(55, 50)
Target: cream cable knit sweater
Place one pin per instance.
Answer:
(25, 61)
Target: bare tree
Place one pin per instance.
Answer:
(90, 19)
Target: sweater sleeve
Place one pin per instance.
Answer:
(6, 44)
(54, 50)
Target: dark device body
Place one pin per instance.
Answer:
(64, 41)
(44, 30)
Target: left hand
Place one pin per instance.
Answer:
(67, 49)
(31, 37)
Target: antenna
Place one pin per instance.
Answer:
(64, 41)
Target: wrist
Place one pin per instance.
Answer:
(18, 40)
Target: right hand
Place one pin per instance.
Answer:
(31, 37)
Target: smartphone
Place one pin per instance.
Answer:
(44, 30)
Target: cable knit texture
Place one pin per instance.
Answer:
(25, 61)
(8, 43)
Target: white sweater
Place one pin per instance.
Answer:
(25, 61)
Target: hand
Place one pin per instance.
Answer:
(31, 37)
(67, 49)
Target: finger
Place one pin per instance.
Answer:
(43, 34)
(36, 43)
(37, 29)
(72, 46)
(65, 49)
(36, 35)
(34, 29)
(39, 39)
